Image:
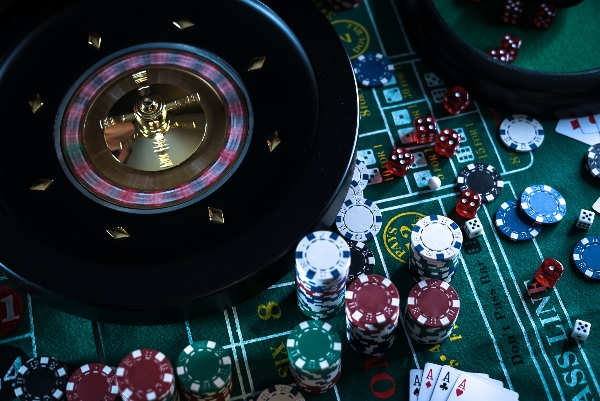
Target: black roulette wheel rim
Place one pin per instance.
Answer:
(496, 83)
(177, 264)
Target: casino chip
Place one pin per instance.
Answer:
(204, 371)
(521, 133)
(481, 178)
(362, 260)
(10, 315)
(372, 69)
(586, 256)
(359, 220)
(41, 378)
(511, 224)
(361, 174)
(543, 204)
(93, 382)
(145, 375)
(11, 359)
(315, 351)
(592, 160)
(280, 392)
(431, 311)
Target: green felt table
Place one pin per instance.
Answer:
(525, 342)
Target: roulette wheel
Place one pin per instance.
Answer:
(166, 158)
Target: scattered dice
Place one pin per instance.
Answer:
(512, 44)
(425, 129)
(447, 143)
(473, 228)
(534, 287)
(499, 54)
(581, 330)
(400, 161)
(513, 9)
(549, 272)
(544, 16)
(468, 204)
(585, 220)
(456, 100)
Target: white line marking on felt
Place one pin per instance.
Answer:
(476, 105)
(374, 25)
(242, 347)
(232, 347)
(387, 127)
(32, 331)
(11, 339)
(401, 25)
(189, 332)
(509, 267)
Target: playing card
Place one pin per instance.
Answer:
(571, 129)
(430, 375)
(493, 382)
(444, 383)
(472, 388)
(414, 382)
(587, 124)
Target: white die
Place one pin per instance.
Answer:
(581, 330)
(586, 219)
(473, 228)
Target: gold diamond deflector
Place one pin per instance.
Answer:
(41, 185)
(257, 63)
(118, 233)
(273, 141)
(216, 215)
(183, 23)
(94, 39)
(36, 103)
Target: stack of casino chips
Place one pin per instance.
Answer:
(431, 311)
(93, 382)
(372, 311)
(322, 267)
(146, 374)
(204, 372)
(315, 352)
(435, 242)
(41, 378)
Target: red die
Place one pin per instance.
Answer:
(447, 143)
(425, 129)
(544, 16)
(499, 54)
(549, 272)
(399, 162)
(512, 44)
(456, 100)
(468, 204)
(513, 9)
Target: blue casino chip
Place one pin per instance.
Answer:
(586, 256)
(372, 70)
(543, 204)
(510, 223)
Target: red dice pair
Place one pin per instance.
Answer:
(513, 11)
(508, 50)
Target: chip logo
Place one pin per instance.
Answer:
(396, 235)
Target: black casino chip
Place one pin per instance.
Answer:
(362, 260)
(481, 178)
(11, 360)
(164, 159)
(592, 160)
(41, 378)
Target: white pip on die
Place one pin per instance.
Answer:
(473, 228)
(585, 220)
(581, 330)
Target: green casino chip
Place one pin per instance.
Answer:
(314, 346)
(204, 367)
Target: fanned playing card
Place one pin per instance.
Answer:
(445, 381)
(430, 375)
(472, 388)
(414, 383)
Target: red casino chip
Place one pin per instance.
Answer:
(145, 375)
(11, 309)
(372, 302)
(93, 382)
(433, 304)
